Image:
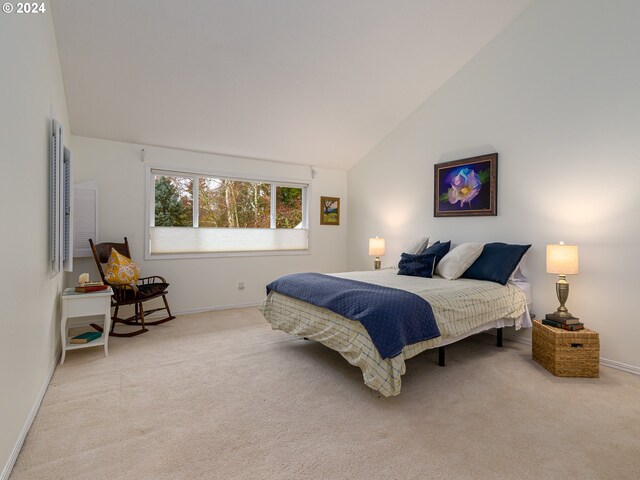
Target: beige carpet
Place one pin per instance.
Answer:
(222, 396)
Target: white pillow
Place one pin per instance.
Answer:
(456, 262)
(419, 247)
(520, 273)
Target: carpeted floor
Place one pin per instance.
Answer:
(221, 396)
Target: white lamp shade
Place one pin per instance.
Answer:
(376, 247)
(562, 259)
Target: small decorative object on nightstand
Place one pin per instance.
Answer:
(376, 249)
(566, 353)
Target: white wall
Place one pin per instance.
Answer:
(210, 282)
(30, 81)
(556, 95)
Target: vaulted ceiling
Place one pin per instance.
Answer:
(317, 82)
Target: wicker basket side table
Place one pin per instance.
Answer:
(565, 353)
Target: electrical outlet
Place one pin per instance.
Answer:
(240, 285)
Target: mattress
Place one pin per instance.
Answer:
(461, 307)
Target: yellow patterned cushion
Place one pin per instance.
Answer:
(121, 270)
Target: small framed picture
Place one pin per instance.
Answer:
(467, 187)
(329, 211)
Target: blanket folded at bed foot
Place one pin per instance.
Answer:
(393, 318)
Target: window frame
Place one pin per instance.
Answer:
(149, 218)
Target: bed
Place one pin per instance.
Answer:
(461, 308)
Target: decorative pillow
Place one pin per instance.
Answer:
(520, 273)
(439, 249)
(497, 262)
(417, 265)
(421, 246)
(121, 270)
(456, 262)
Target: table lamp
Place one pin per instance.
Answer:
(562, 260)
(376, 249)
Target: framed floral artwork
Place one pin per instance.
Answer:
(467, 187)
(329, 211)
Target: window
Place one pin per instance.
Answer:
(209, 214)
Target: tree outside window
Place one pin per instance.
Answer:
(225, 203)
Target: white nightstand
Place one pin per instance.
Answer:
(76, 305)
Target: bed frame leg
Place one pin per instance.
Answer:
(499, 337)
(441, 356)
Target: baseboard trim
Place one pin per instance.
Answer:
(603, 361)
(203, 309)
(620, 366)
(29, 421)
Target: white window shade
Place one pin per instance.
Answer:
(172, 240)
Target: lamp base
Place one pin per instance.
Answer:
(560, 317)
(377, 263)
(562, 291)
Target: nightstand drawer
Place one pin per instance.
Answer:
(91, 304)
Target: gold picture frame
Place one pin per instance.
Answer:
(329, 211)
(473, 182)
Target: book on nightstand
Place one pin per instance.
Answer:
(566, 320)
(91, 287)
(85, 337)
(572, 327)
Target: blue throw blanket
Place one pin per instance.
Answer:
(393, 318)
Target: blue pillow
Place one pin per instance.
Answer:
(421, 265)
(439, 249)
(497, 262)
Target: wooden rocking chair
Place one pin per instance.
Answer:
(147, 288)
